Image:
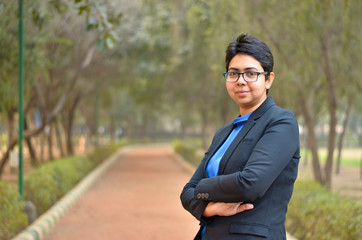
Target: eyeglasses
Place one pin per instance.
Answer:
(233, 77)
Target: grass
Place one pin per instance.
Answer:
(350, 156)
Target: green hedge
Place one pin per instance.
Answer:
(45, 185)
(48, 183)
(316, 213)
(12, 218)
(187, 151)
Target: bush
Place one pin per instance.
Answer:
(189, 153)
(100, 153)
(12, 218)
(317, 213)
(48, 183)
(66, 174)
(42, 187)
(83, 166)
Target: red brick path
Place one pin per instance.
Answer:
(137, 198)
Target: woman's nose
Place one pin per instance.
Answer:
(241, 81)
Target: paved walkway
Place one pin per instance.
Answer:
(137, 198)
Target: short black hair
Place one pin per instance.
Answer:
(250, 45)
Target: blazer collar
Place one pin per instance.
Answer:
(254, 116)
(230, 126)
(262, 108)
(248, 125)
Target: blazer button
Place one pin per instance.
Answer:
(206, 195)
(199, 195)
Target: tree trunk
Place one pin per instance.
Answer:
(32, 153)
(341, 137)
(59, 138)
(70, 121)
(312, 140)
(68, 133)
(42, 148)
(96, 118)
(332, 107)
(11, 124)
(112, 127)
(50, 143)
(204, 134)
(306, 149)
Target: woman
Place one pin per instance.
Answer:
(243, 185)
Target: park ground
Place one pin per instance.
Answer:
(347, 183)
(138, 198)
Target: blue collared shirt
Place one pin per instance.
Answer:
(212, 168)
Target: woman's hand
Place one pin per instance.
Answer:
(225, 209)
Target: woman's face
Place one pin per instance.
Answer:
(248, 95)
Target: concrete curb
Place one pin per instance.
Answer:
(46, 222)
(191, 169)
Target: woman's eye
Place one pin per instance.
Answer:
(251, 74)
(233, 74)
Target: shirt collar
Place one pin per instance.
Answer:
(241, 119)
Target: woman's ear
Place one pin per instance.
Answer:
(270, 80)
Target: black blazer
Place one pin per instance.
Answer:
(259, 167)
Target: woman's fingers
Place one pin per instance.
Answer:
(230, 209)
(226, 209)
(243, 207)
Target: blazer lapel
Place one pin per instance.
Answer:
(219, 141)
(248, 125)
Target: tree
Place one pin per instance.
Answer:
(318, 20)
(97, 18)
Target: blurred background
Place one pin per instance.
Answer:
(98, 71)
(104, 71)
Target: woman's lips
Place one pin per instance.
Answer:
(242, 93)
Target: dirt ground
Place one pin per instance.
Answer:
(137, 198)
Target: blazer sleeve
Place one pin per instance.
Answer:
(271, 154)
(191, 204)
(196, 206)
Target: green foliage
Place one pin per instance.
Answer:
(12, 218)
(45, 185)
(99, 16)
(98, 155)
(187, 151)
(83, 165)
(316, 213)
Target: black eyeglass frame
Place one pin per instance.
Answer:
(242, 74)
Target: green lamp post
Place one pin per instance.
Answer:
(21, 95)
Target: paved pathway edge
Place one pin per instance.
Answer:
(46, 222)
